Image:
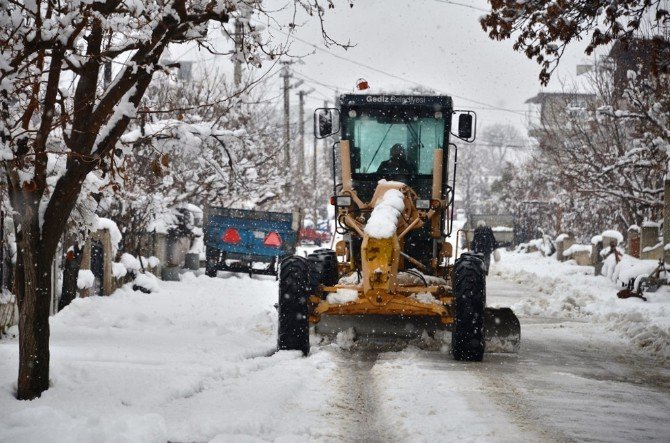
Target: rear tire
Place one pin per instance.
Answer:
(294, 289)
(467, 337)
(323, 266)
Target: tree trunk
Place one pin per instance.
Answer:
(34, 325)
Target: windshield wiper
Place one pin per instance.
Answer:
(379, 147)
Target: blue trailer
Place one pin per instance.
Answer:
(254, 242)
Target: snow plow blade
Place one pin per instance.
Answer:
(502, 330)
(501, 325)
(384, 328)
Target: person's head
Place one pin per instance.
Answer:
(397, 152)
(481, 223)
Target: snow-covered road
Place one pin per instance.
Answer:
(195, 362)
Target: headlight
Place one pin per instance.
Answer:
(428, 204)
(340, 200)
(423, 204)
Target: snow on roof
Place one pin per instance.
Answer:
(650, 224)
(596, 239)
(384, 219)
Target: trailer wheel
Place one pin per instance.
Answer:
(212, 261)
(467, 337)
(294, 289)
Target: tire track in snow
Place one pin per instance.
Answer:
(358, 400)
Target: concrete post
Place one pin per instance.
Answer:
(160, 251)
(666, 219)
(105, 239)
(566, 244)
(648, 236)
(633, 246)
(85, 265)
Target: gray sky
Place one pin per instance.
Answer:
(433, 43)
(436, 43)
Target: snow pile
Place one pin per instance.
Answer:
(114, 233)
(627, 269)
(383, 221)
(131, 263)
(570, 291)
(85, 279)
(502, 229)
(152, 261)
(615, 235)
(342, 296)
(147, 281)
(424, 297)
(119, 270)
(192, 362)
(561, 237)
(576, 248)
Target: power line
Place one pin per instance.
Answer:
(397, 77)
(462, 5)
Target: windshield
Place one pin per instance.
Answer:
(395, 139)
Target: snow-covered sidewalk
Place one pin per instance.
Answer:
(566, 290)
(192, 362)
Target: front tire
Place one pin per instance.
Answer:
(294, 289)
(467, 337)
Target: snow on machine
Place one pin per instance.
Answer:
(391, 277)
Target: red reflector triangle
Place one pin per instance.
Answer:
(272, 239)
(231, 236)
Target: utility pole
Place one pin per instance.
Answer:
(237, 73)
(302, 160)
(287, 134)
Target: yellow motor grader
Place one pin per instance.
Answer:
(391, 276)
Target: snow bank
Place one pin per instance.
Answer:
(383, 221)
(192, 362)
(570, 291)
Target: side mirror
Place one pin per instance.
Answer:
(326, 122)
(465, 126)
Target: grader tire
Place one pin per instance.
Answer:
(467, 337)
(294, 289)
(323, 264)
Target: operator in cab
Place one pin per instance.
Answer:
(397, 163)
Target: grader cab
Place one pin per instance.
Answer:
(391, 276)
